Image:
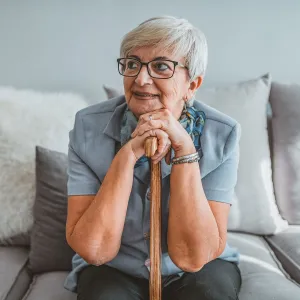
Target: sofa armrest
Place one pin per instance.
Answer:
(286, 246)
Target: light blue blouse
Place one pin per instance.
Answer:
(92, 148)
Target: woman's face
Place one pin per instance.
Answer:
(161, 93)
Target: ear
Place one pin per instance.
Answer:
(194, 85)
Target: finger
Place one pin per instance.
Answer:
(140, 122)
(149, 125)
(159, 156)
(147, 117)
(162, 141)
(161, 113)
(161, 150)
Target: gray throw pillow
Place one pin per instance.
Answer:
(49, 250)
(285, 102)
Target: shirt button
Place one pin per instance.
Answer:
(147, 235)
(148, 195)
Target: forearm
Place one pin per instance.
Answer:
(193, 237)
(100, 227)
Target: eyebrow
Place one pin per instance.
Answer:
(156, 58)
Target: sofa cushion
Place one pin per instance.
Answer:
(49, 286)
(27, 119)
(254, 209)
(285, 102)
(286, 246)
(14, 277)
(263, 277)
(49, 250)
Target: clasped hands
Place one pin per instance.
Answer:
(169, 132)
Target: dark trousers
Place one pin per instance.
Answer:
(217, 280)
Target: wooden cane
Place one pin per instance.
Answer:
(155, 222)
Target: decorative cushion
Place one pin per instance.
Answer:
(285, 102)
(254, 209)
(49, 250)
(27, 119)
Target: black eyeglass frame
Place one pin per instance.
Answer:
(176, 63)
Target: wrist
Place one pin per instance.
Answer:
(129, 154)
(187, 148)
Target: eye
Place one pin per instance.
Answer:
(161, 66)
(132, 64)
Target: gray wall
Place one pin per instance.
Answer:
(73, 45)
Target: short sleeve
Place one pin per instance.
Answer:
(219, 184)
(81, 179)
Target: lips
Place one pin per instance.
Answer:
(144, 94)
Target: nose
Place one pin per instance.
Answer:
(143, 78)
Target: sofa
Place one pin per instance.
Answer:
(264, 220)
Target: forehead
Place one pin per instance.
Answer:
(150, 53)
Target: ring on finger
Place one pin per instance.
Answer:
(150, 117)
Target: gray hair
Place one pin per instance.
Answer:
(171, 34)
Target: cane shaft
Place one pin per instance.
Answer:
(155, 223)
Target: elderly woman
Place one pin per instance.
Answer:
(163, 61)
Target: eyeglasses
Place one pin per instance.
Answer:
(157, 68)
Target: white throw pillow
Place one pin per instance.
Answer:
(254, 209)
(28, 118)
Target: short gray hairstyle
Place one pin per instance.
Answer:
(173, 34)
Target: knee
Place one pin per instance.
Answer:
(105, 294)
(213, 293)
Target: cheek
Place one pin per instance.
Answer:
(167, 88)
(127, 83)
(170, 93)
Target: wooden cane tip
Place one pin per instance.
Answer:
(150, 146)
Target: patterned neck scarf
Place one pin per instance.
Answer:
(191, 119)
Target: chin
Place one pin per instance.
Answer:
(142, 107)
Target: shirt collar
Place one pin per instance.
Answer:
(113, 127)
